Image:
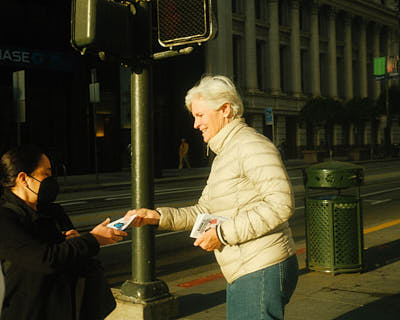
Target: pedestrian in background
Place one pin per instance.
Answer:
(248, 184)
(183, 154)
(283, 150)
(42, 255)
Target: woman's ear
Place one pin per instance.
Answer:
(226, 110)
(21, 177)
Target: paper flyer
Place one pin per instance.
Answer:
(205, 221)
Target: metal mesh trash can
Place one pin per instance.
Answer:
(334, 231)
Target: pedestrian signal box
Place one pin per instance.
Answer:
(103, 26)
(181, 22)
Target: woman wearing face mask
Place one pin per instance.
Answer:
(43, 257)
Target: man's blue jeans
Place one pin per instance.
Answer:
(262, 295)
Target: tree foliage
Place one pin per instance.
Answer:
(322, 111)
(359, 110)
(394, 101)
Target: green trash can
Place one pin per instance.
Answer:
(334, 230)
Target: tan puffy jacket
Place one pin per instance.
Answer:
(249, 184)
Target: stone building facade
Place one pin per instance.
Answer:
(282, 52)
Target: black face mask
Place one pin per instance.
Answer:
(48, 190)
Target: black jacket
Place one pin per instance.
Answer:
(42, 268)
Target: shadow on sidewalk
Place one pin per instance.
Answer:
(387, 308)
(388, 305)
(193, 303)
(381, 255)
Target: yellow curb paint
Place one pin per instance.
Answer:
(382, 226)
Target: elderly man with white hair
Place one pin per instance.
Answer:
(249, 185)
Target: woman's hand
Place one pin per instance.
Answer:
(143, 217)
(71, 234)
(208, 241)
(105, 235)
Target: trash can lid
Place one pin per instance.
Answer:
(333, 174)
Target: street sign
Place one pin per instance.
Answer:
(379, 68)
(269, 116)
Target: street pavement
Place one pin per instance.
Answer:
(371, 294)
(200, 289)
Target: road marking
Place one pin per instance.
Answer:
(216, 276)
(379, 192)
(127, 195)
(382, 226)
(64, 204)
(380, 201)
(118, 198)
(199, 281)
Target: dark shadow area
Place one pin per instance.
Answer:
(388, 305)
(193, 303)
(379, 256)
(166, 263)
(304, 271)
(387, 308)
(195, 261)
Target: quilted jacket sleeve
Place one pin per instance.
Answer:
(273, 204)
(182, 218)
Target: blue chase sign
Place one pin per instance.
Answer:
(36, 59)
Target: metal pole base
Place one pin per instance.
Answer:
(128, 309)
(145, 291)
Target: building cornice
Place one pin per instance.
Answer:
(370, 10)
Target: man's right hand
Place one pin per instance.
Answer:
(143, 217)
(105, 235)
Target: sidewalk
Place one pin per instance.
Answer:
(373, 294)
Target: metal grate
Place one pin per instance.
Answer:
(346, 233)
(320, 241)
(180, 20)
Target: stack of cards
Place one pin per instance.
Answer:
(120, 224)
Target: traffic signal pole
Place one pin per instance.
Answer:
(122, 30)
(143, 286)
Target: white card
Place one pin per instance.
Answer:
(120, 224)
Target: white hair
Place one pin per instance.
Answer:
(216, 90)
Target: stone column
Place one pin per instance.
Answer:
(314, 52)
(362, 59)
(295, 48)
(348, 59)
(332, 65)
(376, 54)
(251, 54)
(273, 38)
(219, 55)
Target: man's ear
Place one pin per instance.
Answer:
(226, 110)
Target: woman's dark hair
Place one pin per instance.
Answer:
(24, 158)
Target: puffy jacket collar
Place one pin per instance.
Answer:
(218, 142)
